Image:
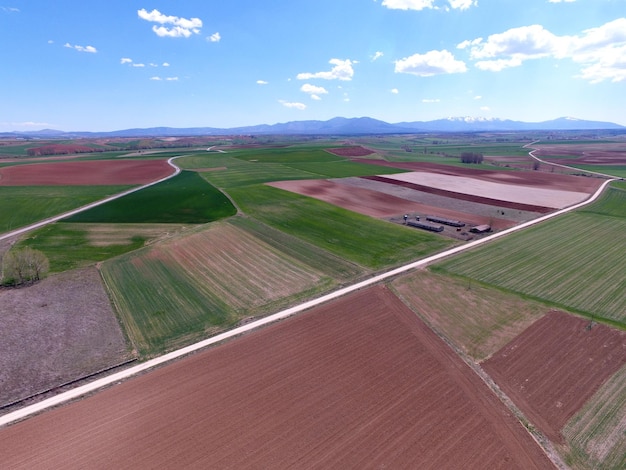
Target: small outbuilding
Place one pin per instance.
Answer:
(481, 229)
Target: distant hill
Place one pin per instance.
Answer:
(342, 126)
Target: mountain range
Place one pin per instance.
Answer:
(342, 126)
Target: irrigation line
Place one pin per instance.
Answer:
(127, 373)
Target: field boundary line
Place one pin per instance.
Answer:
(56, 218)
(158, 361)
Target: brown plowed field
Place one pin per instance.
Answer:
(463, 196)
(357, 383)
(555, 366)
(379, 204)
(524, 178)
(94, 172)
(585, 154)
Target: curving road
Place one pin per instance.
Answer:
(56, 218)
(125, 374)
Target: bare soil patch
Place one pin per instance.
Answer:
(82, 173)
(586, 154)
(478, 320)
(354, 151)
(357, 383)
(56, 331)
(555, 366)
(494, 201)
(512, 177)
(505, 192)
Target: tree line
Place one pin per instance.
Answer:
(471, 157)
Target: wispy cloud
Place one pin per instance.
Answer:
(429, 64)
(215, 37)
(167, 79)
(176, 26)
(377, 55)
(419, 5)
(601, 51)
(431, 100)
(261, 82)
(287, 104)
(10, 9)
(90, 49)
(342, 70)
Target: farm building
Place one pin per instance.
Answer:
(425, 226)
(442, 220)
(481, 229)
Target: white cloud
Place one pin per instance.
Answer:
(287, 104)
(89, 49)
(429, 64)
(177, 27)
(485, 108)
(165, 64)
(560, 1)
(167, 79)
(395, 91)
(342, 70)
(10, 9)
(261, 82)
(478, 97)
(215, 37)
(377, 55)
(126, 60)
(408, 4)
(601, 51)
(430, 4)
(462, 4)
(139, 65)
(313, 91)
(431, 100)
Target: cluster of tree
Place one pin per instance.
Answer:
(24, 265)
(60, 149)
(471, 157)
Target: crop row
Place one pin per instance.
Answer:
(572, 261)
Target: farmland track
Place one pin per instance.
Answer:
(56, 218)
(106, 381)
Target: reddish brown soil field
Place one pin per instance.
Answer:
(378, 204)
(96, 172)
(463, 196)
(357, 151)
(525, 178)
(585, 154)
(357, 383)
(555, 366)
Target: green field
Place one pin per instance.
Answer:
(206, 281)
(24, 205)
(185, 199)
(574, 262)
(369, 242)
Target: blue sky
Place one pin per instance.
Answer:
(99, 66)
